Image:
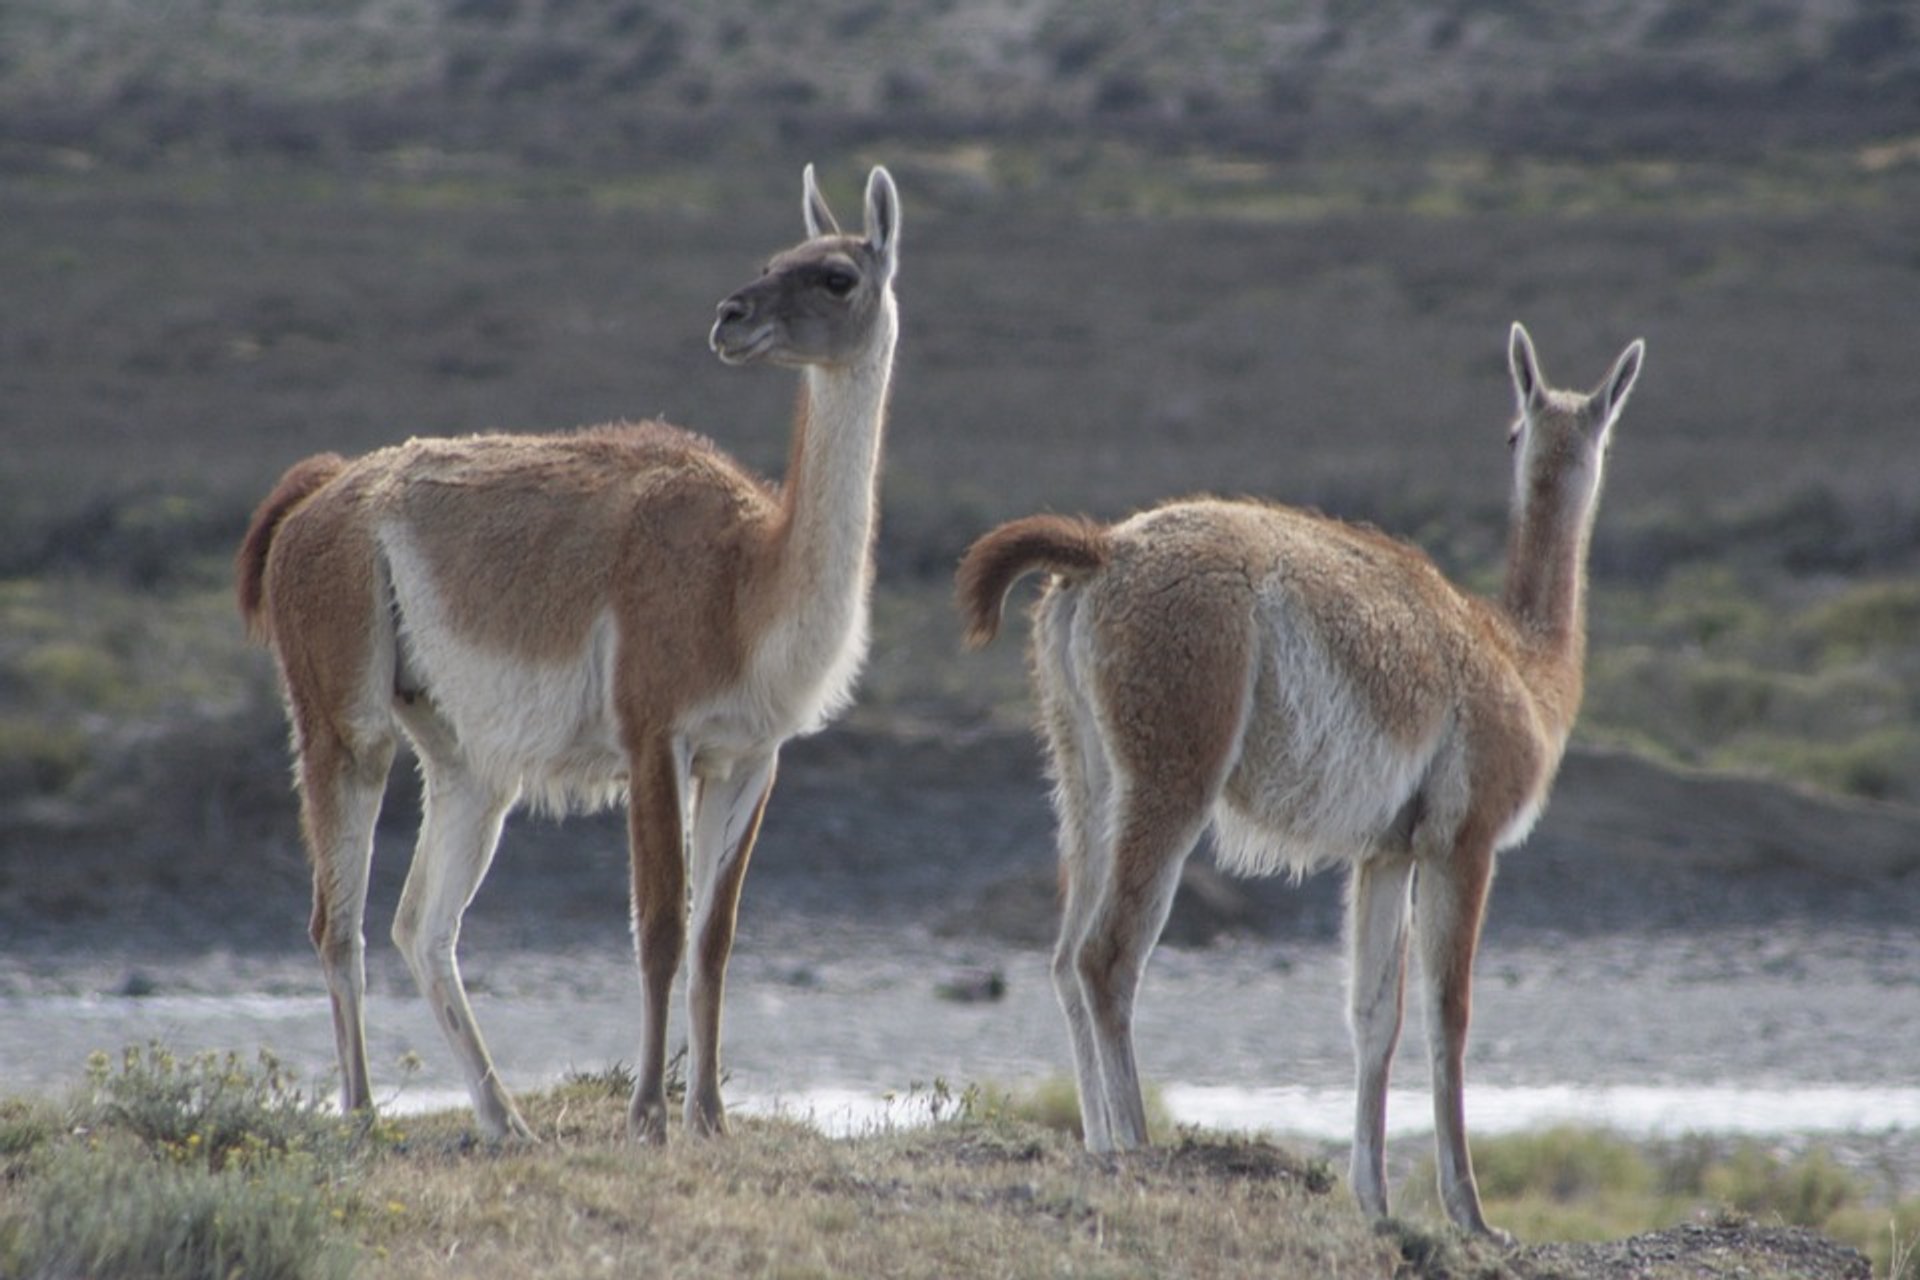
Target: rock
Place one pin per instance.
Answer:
(972, 986)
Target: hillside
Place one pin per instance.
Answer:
(559, 77)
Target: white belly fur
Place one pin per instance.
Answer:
(1318, 781)
(542, 729)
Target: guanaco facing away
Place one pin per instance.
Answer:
(570, 619)
(1319, 694)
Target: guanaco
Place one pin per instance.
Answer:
(572, 620)
(1318, 694)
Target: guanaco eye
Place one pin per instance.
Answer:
(839, 283)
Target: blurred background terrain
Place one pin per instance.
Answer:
(1151, 248)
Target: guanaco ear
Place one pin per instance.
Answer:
(1612, 395)
(883, 218)
(813, 207)
(1527, 382)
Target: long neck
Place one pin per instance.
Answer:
(829, 496)
(1546, 587)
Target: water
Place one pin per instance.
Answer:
(1633, 1110)
(1653, 1038)
(1326, 1115)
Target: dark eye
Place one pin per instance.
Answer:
(839, 283)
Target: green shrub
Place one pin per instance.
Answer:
(1561, 1163)
(1805, 1192)
(118, 1214)
(1722, 699)
(1708, 607)
(26, 1124)
(211, 1109)
(1581, 1184)
(40, 758)
(73, 673)
(1681, 699)
(1869, 619)
(1054, 1103)
(1881, 765)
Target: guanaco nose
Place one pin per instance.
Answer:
(734, 309)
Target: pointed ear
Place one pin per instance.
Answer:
(883, 217)
(813, 207)
(1612, 395)
(1525, 365)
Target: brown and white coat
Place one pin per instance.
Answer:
(1317, 694)
(570, 620)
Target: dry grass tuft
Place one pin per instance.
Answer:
(998, 1197)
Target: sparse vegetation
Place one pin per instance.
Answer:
(162, 1169)
(1054, 1103)
(211, 1168)
(1811, 681)
(210, 1110)
(1584, 1184)
(129, 1178)
(109, 1214)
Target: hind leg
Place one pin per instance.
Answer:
(340, 793)
(458, 836)
(1377, 915)
(1084, 863)
(1081, 782)
(1170, 719)
(1121, 928)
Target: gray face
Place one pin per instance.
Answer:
(816, 304)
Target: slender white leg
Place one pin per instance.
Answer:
(724, 829)
(1377, 915)
(458, 835)
(340, 802)
(1082, 803)
(1159, 728)
(1448, 906)
(1152, 845)
(1083, 872)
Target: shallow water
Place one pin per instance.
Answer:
(1326, 1115)
(1708, 1033)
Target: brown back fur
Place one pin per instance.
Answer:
(574, 522)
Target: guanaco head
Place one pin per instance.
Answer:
(826, 301)
(1559, 438)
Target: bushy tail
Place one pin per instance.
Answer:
(1062, 544)
(302, 480)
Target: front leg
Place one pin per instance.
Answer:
(657, 804)
(724, 830)
(1377, 913)
(1448, 909)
